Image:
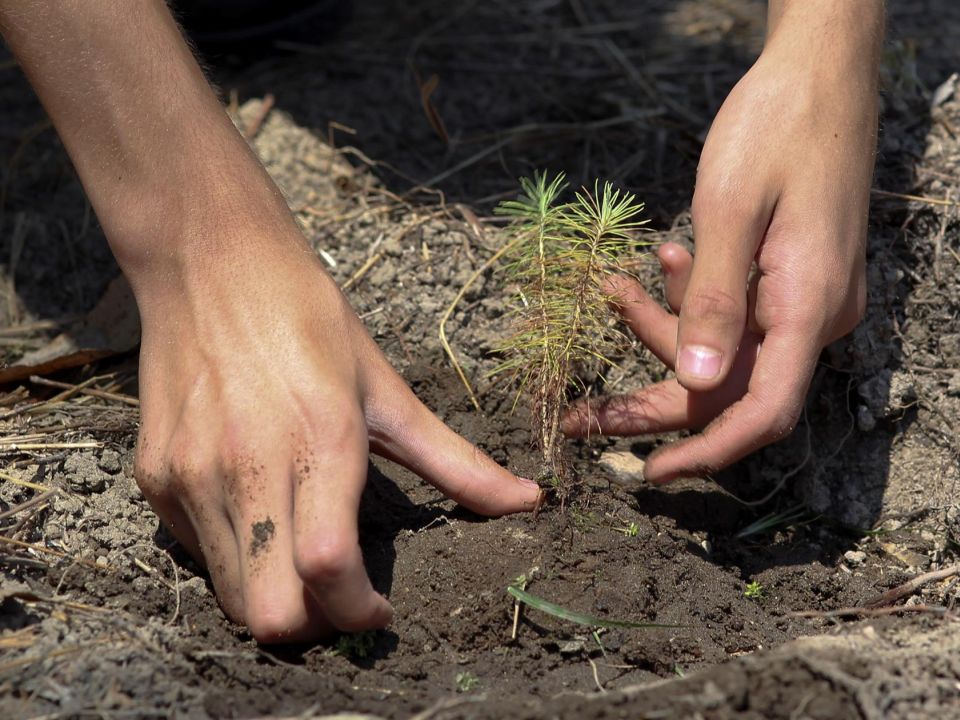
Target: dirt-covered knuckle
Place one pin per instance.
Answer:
(183, 481)
(323, 561)
(713, 307)
(190, 474)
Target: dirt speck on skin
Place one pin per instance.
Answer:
(262, 533)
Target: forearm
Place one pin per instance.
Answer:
(159, 158)
(831, 30)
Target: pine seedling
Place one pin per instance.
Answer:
(561, 253)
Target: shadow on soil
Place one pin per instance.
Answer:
(623, 91)
(626, 92)
(617, 90)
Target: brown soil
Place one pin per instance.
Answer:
(103, 616)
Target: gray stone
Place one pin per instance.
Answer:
(571, 647)
(625, 468)
(855, 557)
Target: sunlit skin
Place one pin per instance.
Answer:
(261, 392)
(780, 222)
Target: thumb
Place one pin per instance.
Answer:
(410, 434)
(713, 311)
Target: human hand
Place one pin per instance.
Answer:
(261, 392)
(783, 188)
(261, 395)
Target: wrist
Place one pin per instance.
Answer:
(197, 212)
(227, 277)
(840, 34)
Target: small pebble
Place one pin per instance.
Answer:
(625, 468)
(865, 419)
(571, 647)
(195, 585)
(855, 557)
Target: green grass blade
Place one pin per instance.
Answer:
(774, 520)
(579, 618)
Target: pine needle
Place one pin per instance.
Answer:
(560, 256)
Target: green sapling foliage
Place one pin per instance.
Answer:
(560, 256)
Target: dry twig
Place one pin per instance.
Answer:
(914, 198)
(55, 553)
(32, 502)
(102, 394)
(859, 612)
(362, 270)
(911, 586)
(266, 105)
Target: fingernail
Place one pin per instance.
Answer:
(699, 361)
(529, 483)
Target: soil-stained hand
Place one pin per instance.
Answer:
(261, 395)
(261, 391)
(779, 214)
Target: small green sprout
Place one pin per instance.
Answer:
(584, 521)
(631, 530)
(466, 681)
(796, 515)
(754, 590)
(356, 646)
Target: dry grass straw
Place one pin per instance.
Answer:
(451, 308)
(43, 550)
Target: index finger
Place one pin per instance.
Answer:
(766, 413)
